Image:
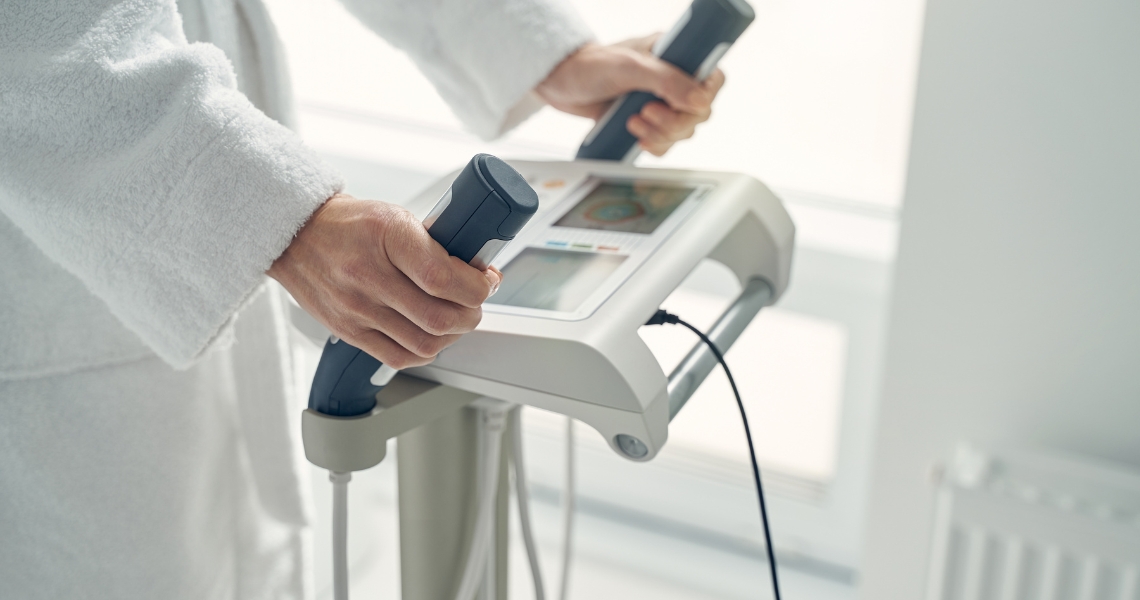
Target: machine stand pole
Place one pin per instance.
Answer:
(436, 466)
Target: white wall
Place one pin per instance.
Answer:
(1016, 311)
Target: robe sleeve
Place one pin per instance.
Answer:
(129, 157)
(483, 56)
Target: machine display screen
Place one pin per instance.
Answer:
(557, 280)
(627, 206)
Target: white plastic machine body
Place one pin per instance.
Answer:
(610, 242)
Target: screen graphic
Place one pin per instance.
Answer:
(627, 206)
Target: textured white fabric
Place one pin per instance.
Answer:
(161, 195)
(142, 196)
(134, 482)
(130, 159)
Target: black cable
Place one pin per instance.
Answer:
(661, 317)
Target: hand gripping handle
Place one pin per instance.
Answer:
(694, 45)
(483, 210)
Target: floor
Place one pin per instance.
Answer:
(612, 559)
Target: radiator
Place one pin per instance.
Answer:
(1021, 525)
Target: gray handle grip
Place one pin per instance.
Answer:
(700, 361)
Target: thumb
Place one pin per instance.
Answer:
(674, 86)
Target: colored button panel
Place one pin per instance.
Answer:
(582, 246)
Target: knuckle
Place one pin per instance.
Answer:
(435, 277)
(438, 321)
(379, 219)
(429, 345)
(399, 361)
(384, 214)
(344, 328)
(680, 85)
(656, 113)
(390, 223)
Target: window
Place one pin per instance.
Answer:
(818, 98)
(790, 373)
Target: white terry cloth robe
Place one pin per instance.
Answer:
(148, 434)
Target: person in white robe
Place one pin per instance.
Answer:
(149, 180)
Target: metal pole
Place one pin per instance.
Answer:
(436, 466)
(700, 361)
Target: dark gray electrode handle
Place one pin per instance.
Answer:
(695, 45)
(482, 211)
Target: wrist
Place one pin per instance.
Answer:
(551, 88)
(283, 266)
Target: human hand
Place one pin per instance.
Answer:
(587, 82)
(370, 272)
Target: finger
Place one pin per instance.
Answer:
(714, 82)
(646, 133)
(648, 138)
(496, 277)
(407, 334)
(676, 125)
(656, 149)
(647, 72)
(426, 263)
(431, 314)
(385, 350)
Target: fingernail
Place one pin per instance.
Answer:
(495, 281)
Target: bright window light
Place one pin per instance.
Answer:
(790, 370)
(818, 97)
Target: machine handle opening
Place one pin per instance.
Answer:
(700, 361)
